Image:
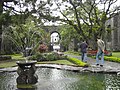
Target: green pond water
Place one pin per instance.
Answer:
(53, 79)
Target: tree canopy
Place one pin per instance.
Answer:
(86, 17)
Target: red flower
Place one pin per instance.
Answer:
(42, 48)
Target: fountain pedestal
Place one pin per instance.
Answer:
(26, 71)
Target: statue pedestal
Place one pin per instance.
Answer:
(26, 71)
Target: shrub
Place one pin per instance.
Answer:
(51, 56)
(114, 59)
(77, 62)
(38, 57)
(46, 57)
(3, 57)
(109, 58)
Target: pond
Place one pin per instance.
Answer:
(54, 79)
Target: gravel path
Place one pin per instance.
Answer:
(92, 62)
(108, 66)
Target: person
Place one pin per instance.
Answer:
(83, 47)
(100, 52)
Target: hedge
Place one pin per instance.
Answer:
(114, 59)
(110, 58)
(77, 62)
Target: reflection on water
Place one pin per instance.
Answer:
(8, 81)
(53, 79)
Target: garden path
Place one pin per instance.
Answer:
(92, 62)
(108, 66)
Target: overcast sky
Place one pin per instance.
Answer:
(54, 6)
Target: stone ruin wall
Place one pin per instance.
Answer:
(115, 25)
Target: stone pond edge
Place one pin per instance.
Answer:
(92, 69)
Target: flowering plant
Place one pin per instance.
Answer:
(42, 48)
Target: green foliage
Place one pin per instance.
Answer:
(110, 58)
(46, 57)
(64, 61)
(84, 20)
(7, 64)
(17, 57)
(72, 52)
(27, 86)
(26, 35)
(113, 59)
(116, 54)
(77, 62)
(68, 34)
(52, 56)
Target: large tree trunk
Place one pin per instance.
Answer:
(1, 10)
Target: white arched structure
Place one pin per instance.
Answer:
(55, 38)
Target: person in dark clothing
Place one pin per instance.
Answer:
(83, 47)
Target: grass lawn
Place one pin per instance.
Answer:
(11, 63)
(72, 53)
(116, 54)
(6, 64)
(18, 57)
(66, 62)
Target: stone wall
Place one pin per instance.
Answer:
(115, 34)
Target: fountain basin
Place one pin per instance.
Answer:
(55, 79)
(26, 71)
(25, 63)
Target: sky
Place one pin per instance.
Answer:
(54, 6)
(55, 12)
(115, 4)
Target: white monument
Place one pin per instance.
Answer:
(55, 38)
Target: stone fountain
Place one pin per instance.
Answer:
(26, 71)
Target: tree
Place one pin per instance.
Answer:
(86, 17)
(68, 35)
(25, 36)
(16, 13)
(83, 15)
